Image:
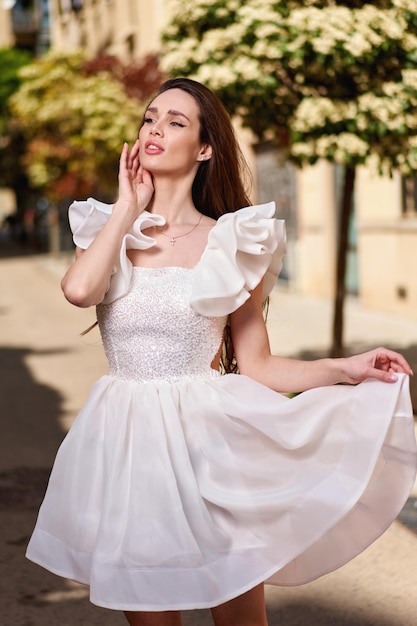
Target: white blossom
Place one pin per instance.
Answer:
(266, 50)
(317, 112)
(178, 56)
(303, 149)
(409, 77)
(215, 76)
(358, 45)
(258, 44)
(408, 5)
(341, 147)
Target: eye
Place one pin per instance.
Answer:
(174, 123)
(148, 120)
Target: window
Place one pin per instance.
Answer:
(71, 5)
(409, 196)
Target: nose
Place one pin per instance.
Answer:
(156, 129)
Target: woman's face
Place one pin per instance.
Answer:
(170, 136)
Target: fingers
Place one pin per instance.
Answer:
(133, 162)
(135, 149)
(382, 364)
(391, 361)
(387, 377)
(129, 159)
(396, 367)
(123, 163)
(146, 177)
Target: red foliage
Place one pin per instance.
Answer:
(69, 185)
(103, 63)
(140, 79)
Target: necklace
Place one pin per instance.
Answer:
(172, 240)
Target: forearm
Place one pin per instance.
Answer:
(87, 280)
(291, 375)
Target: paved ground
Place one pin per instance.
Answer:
(46, 370)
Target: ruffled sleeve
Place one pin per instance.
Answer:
(242, 249)
(88, 217)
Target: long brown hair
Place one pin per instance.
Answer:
(222, 183)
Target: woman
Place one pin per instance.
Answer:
(178, 488)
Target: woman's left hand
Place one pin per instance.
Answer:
(379, 363)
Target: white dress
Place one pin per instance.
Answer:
(178, 488)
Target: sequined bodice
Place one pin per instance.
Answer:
(152, 333)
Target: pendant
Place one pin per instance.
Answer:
(172, 240)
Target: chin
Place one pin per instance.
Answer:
(162, 170)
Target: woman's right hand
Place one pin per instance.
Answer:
(135, 183)
(87, 280)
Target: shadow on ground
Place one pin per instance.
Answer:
(302, 613)
(10, 248)
(29, 410)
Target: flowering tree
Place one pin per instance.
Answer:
(12, 173)
(11, 60)
(329, 79)
(75, 126)
(140, 79)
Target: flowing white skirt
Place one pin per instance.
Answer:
(181, 496)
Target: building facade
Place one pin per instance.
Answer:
(387, 241)
(128, 29)
(384, 255)
(6, 33)
(25, 24)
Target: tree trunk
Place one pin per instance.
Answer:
(53, 228)
(22, 194)
(342, 250)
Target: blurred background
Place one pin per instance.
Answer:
(323, 96)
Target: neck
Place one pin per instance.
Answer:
(173, 201)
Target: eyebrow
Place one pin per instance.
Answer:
(170, 112)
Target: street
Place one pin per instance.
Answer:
(46, 370)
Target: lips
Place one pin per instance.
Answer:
(153, 147)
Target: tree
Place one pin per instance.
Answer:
(327, 79)
(140, 79)
(12, 173)
(74, 124)
(11, 61)
(74, 115)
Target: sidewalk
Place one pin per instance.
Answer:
(46, 372)
(300, 326)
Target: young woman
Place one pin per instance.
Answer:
(178, 487)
